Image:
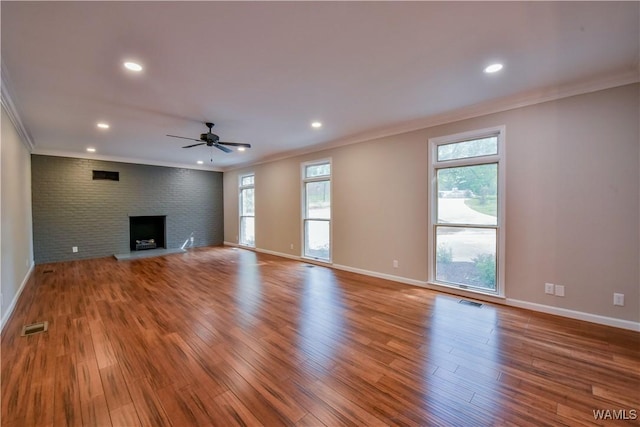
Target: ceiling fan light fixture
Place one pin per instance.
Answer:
(316, 125)
(133, 66)
(493, 68)
(103, 125)
(241, 149)
(210, 139)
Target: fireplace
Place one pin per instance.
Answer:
(147, 232)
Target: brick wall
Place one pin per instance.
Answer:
(71, 209)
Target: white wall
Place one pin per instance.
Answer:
(16, 233)
(573, 208)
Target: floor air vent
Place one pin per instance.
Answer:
(471, 303)
(34, 328)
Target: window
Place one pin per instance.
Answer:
(316, 212)
(247, 211)
(466, 243)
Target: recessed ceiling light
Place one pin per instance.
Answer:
(316, 125)
(103, 125)
(91, 150)
(493, 68)
(241, 148)
(133, 66)
(199, 162)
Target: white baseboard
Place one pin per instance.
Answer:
(579, 315)
(7, 314)
(280, 254)
(563, 312)
(267, 251)
(391, 277)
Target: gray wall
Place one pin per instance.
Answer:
(71, 209)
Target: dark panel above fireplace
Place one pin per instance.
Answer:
(108, 175)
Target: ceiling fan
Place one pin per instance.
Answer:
(212, 140)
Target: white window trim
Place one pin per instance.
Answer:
(240, 188)
(303, 206)
(500, 158)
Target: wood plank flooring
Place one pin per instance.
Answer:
(224, 336)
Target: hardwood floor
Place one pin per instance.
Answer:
(223, 336)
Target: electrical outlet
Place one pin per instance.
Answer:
(74, 249)
(549, 288)
(395, 263)
(291, 246)
(559, 290)
(618, 299)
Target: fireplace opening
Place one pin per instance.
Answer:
(147, 232)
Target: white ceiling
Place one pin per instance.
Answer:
(263, 71)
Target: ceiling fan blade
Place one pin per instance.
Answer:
(225, 149)
(193, 145)
(235, 144)
(183, 137)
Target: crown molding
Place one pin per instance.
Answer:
(622, 77)
(12, 112)
(103, 158)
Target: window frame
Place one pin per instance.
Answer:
(500, 227)
(304, 181)
(241, 188)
